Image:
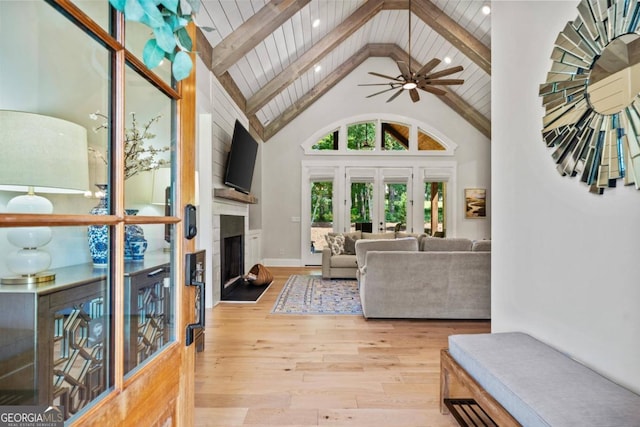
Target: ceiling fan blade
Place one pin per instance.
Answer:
(443, 82)
(378, 93)
(381, 84)
(395, 95)
(427, 67)
(415, 96)
(434, 90)
(385, 77)
(404, 69)
(444, 72)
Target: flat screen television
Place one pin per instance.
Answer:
(241, 160)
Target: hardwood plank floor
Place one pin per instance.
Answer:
(263, 369)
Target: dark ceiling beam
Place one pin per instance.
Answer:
(311, 57)
(393, 51)
(252, 32)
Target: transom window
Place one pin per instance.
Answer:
(386, 136)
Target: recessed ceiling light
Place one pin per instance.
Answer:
(316, 23)
(447, 60)
(317, 68)
(486, 9)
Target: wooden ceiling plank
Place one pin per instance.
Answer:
(314, 94)
(319, 50)
(253, 31)
(455, 34)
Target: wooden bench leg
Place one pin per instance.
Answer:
(444, 381)
(451, 373)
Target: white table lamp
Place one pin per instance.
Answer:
(40, 154)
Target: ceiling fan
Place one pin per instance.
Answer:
(422, 79)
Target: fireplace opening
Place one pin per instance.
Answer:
(231, 253)
(233, 260)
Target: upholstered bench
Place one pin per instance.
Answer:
(519, 380)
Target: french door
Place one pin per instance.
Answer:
(109, 328)
(379, 200)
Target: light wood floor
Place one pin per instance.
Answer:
(261, 369)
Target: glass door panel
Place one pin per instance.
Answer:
(395, 207)
(361, 210)
(321, 218)
(434, 208)
(149, 289)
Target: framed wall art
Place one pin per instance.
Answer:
(475, 202)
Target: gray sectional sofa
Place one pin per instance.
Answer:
(443, 278)
(339, 262)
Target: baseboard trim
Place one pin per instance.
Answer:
(283, 262)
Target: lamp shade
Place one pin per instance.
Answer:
(43, 152)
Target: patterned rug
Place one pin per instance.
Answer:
(314, 295)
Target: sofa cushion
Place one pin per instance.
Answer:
(481, 246)
(336, 244)
(365, 245)
(379, 236)
(343, 261)
(419, 236)
(350, 244)
(446, 244)
(356, 234)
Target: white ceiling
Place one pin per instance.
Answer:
(293, 38)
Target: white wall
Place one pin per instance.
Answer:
(564, 262)
(282, 154)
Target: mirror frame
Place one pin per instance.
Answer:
(600, 149)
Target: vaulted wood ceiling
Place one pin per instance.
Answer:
(265, 53)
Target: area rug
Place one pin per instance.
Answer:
(314, 295)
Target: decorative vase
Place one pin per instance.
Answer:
(98, 235)
(133, 235)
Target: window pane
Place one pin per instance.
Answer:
(98, 10)
(434, 208)
(361, 204)
(50, 105)
(328, 142)
(395, 137)
(321, 214)
(149, 296)
(361, 136)
(55, 336)
(149, 285)
(426, 142)
(137, 36)
(395, 207)
(148, 139)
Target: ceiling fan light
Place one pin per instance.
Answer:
(409, 85)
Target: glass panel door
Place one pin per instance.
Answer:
(361, 208)
(395, 207)
(434, 208)
(321, 218)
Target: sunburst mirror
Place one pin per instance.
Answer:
(591, 96)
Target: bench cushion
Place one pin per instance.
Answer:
(540, 386)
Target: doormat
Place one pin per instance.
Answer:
(315, 295)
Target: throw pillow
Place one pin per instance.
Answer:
(336, 244)
(350, 245)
